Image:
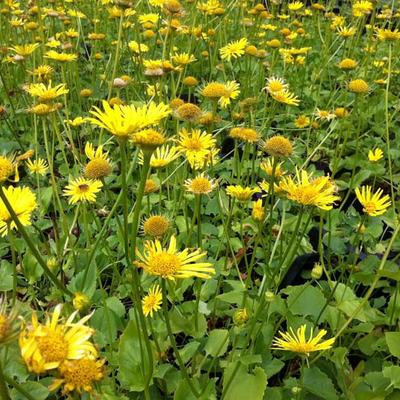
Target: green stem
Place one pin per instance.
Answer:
(173, 342)
(31, 245)
(3, 386)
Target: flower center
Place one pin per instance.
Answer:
(194, 144)
(370, 206)
(53, 347)
(83, 188)
(81, 373)
(164, 264)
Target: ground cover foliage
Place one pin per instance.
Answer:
(199, 199)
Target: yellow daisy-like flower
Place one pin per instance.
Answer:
(183, 59)
(278, 146)
(275, 85)
(99, 165)
(82, 189)
(196, 146)
(156, 226)
(23, 202)
(46, 93)
(124, 121)
(171, 264)
(268, 167)
(201, 184)
(258, 211)
(295, 6)
(285, 97)
(62, 57)
(248, 135)
(298, 343)
(240, 193)
(161, 157)
(38, 166)
(302, 121)
(46, 346)
(387, 34)
(233, 49)
(24, 49)
(42, 72)
(8, 167)
(319, 192)
(148, 139)
(358, 86)
(151, 303)
(79, 375)
(347, 64)
(373, 203)
(223, 92)
(375, 155)
(362, 7)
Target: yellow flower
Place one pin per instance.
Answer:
(268, 167)
(278, 146)
(42, 71)
(345, 32)
(302, 121)
(38, 166)
(156, 226)
(233, 49)
(188, 112)
(373, 203)
(9, 328)
(161, 157)
(324, 115)
(375, 155)
(347, 63)
(196, 146)
(295, 6)
(358, 86)
(388, 35)
(148, 139)
(240, 193)
(99, 165)
(275, 85)
(78, 121)
(82, 189)
(46, 346)
(170, 264)
(298, 343)
(7, 168)
(258, 211)
(79, 375)
(245, 134)
(361, 8)
(123, 121)
(183, 59)
(201, 184)
(25, 49)
(319, 192)
(285, 97)
(151, 303)
(62, 57)
(80, 301)
(223, 92)
(151, 186)
(46, 93)
(23, 202)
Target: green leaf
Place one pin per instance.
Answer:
(393, 373)
(393, 342)
(35, 389)
(245, 385)
(319, 384)
(305, 300)
(6, 276)
(217, 342)
(133, 367)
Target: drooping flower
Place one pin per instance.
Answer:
(319, 192)
(268, 167)
(162, 156)
(373, 203)
(298, 343)
(99, 165)
(248, 135)
(258, 211)
(23, 202)
(151, 303)
(171, 264)
(46, 346)
(82, 189)
(148, 139)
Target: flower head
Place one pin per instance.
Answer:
(148, 139)
(375, 155)
(201, 184)
(248, 135)
(319, 192)
(162, 156)
(171, 264)
(124, 121)
(233, 50)
(240, 193)
(278, 146)
(99, 164)
(358, 86)
(285, 97)
(298, 343)
(156, 226)
(46, 346)
(23, 202)
(151, 303)
(373, 203)
(258, 211)
(82, 189)
(79, 375)
(46, 93)
(38, 166)
(224, 93)
(7, 167)
(275, 85)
